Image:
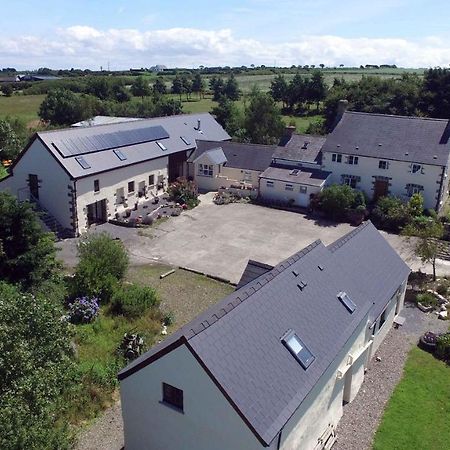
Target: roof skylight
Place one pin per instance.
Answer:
(346, 301)
(82, 162)
(119, 154)
(185, 140)
(161, 146)
(298, 349)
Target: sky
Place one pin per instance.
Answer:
(190, 33)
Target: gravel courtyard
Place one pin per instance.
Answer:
(219, 240)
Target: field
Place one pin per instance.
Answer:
(418, 413)
(23, 106)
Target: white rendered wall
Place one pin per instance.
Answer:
(208, 422)
(278, 192)
(398, 171)
(53, 182)
(111, 181)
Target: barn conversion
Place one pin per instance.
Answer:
(85, 175)
(271, 365)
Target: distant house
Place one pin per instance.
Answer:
(390, 155)
(272, 364)
(87, 175)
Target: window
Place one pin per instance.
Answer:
(350, 180)
(294, 172)
(247, 175)
(205, 170)
(382, 319)
(289, 187)
(186, 140)
(383, 165)
(346, 301)
(172, 396)
(412, 189)
(416, 168)
(298, 349)
(130, 187)
(120, 155)
(303, 189)
(352, 160)
(151, 180)
(96, 185)
(82, 162)
(161, 146)
(336, 157)
(269, 184)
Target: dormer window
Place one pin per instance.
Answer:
(298, 349)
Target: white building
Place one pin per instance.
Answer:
(87, 175)
(271, 365)
(390, 155)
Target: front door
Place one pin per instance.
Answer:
(33, 183)
(96, 212)
(381, 189)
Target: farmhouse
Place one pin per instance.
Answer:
(86, 175)
(390, 155)
(271, 365)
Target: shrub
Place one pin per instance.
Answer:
(83, 310)
(442, 289)
(184, 191)
(336, 200)
(443, 347)
(390, 213)
(169, 319)
(133, 300)
(427, 299)
(103, 263)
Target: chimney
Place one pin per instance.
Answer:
(288, 132)
(198, 125)
(341, 108)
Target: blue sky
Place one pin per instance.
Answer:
(190, 33)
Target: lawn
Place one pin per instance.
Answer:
(25, 107)
(418, 413)
(183, 293)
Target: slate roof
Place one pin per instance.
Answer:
(304, 176)
(238, 342)
(301, 147)
(239, 156)
(176, 126)
(216, 156)
(410, 139)
(253, 270)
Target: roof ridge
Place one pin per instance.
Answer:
(249, 144)
(344, 239)
(435, 119)
(246, 292)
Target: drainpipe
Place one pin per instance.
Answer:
(74, 208)
(441, 185)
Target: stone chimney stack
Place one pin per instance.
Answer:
(342, 107)
(288, 132)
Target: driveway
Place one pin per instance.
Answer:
(219, 240)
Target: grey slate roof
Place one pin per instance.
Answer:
(253, 270)
(410, 139)
(239, 156)
(301, 147)
(238, 339)
(215, 155)
(304, 176)
(176, 126)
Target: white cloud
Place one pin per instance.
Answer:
(84, 46)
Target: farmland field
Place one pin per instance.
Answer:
(23, 106)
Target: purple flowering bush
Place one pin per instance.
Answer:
(83, 310)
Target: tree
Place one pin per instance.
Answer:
(28, 254)
(103, 263)
(218, 87)
(187, 86)
(231, 89)
(297, 91)
(7, 90)
(415, 205)
(10, 143)
(435, 95)
(120, 93)
(198, 85)
(279, 90)
(177, 86)
(140, 87)
(336, 200)
(316, 88)
(230, 117)
(159, 87)
(62, 107)
(263, 121)
(322, 65)
(428, 232)
(100, 87)
(36, 370)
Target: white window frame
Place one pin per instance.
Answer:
(352, 160)
(270, 184)
(206, 170)
(416, 168)
(336, 157)
(350, 181)
(288, 187)
(303, 190)
(384, 163)
(412, 189)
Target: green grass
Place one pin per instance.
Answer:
(3, 172)
(418, 413)
(25, 107)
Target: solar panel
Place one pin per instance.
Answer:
(120, 155)
(347, 301)
(88, 144)
(82, 162)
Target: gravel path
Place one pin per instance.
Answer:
(362, 417)
(105, 434)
